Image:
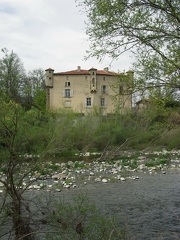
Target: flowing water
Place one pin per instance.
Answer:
(150, 206)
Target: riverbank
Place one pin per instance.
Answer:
(141, 188)
(87, 168)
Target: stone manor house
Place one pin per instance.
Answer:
(85, 91)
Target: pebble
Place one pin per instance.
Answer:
(104, 180)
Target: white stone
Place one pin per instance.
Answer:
(104, 180)
(142, 166)
(59, 176)
(97, 180)
(91, 173)
(58, 190)
(122, 179)
(87, 154)
(57, 164)
(118, 177)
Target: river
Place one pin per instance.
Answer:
(150, 206)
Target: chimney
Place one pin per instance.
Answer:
(106, 69)
(79, 68)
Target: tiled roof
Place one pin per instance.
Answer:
(86, 72)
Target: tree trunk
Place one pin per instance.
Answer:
(21, 226)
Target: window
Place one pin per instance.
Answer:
(104, 78)
(67, 84)
(86, 78)
(88, 102)
(67, 93)
(49, 78)
(67, 104)
(93, 80)
(102, 102)
(103, 89)
(120, 89)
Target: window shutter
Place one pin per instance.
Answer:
(106, 102)
(63, 93)
(71, 93)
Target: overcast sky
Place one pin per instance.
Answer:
(49, 33)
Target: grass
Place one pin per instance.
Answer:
(79, 165)
(156, 162)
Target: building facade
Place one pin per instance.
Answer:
(85, 91)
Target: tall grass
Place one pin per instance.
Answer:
(73, 132)
(64, 133)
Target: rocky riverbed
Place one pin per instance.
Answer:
(141, 187)
(122, 166)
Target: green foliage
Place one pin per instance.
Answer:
(80, 219)
(156, 162)
(39, 100)
(170, 139)
(149, 30)
(78, 165)
(15, 85)
(12, 75)
(117, 26)
(22, 132)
